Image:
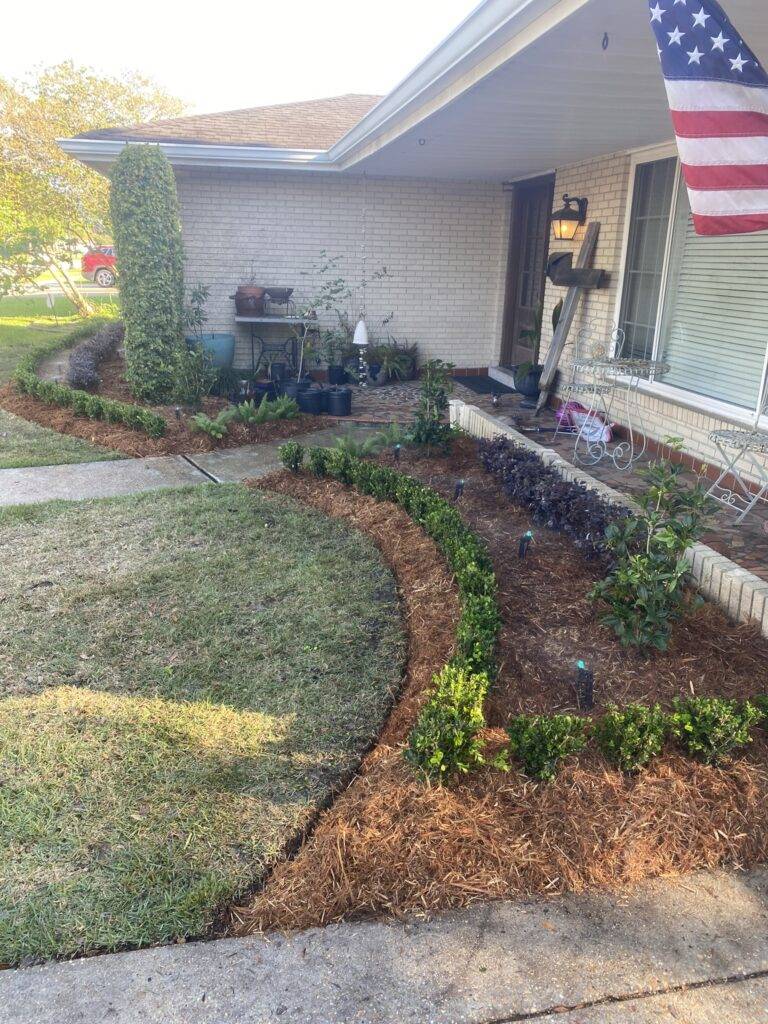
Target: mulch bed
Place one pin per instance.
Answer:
(179, 438)
(392, 844)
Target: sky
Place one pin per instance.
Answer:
(226, 54)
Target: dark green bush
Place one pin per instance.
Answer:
(429, 426)
(477, 633)
(318, 461)
(341, 465)
(291, 455)
(761, 703)
(645, 592)
(445, 740)
(711, 728)
(541, 742)
(630, 736)
(145, 219)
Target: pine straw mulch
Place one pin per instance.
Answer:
(180, 438)
(392, 844)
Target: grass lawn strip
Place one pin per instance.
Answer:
(22, 441)
(186, 676)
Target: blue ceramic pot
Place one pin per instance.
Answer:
(219, 346)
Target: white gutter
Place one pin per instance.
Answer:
(481, 33)
(491, 35)
(187, 154)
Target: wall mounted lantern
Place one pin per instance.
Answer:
(565, 222)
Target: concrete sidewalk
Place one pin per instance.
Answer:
(129, 476)
(693, 950)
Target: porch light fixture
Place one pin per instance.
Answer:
(566, 222)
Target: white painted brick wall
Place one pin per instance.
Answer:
(444, 244)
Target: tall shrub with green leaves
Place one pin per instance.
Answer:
(145, 217)
(645, 592)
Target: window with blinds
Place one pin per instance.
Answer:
(649, 227)
(707, 318)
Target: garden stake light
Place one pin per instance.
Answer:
(525, 542)
(177, 412)
(396, 452)
(585, 688)
(458, 489)
(495, 400)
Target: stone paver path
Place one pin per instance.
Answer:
(692, 950)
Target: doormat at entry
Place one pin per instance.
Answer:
(485, 385)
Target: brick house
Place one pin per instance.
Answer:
(450, 181)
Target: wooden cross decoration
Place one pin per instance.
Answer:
(570, 306)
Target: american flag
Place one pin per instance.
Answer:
(718, 95)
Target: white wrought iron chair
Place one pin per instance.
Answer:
(743, 481)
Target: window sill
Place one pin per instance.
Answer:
(699, 403)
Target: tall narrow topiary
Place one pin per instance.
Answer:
(150, 260)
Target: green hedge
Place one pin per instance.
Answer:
(83, 403)
(445, 739)
(144, 209)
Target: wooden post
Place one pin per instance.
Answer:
(570, 306)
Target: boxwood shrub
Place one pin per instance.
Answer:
(630, 736)
(541, 742)
(711, 728)
(83, 403)
(445, 740)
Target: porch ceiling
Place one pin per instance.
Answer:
(561, 100)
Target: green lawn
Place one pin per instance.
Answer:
(185, 675)
(23, 443)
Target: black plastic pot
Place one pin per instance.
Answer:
(529, 384)
(310, 400)
(293, 388)
(340, 402)
(324, 396)
(261, 388)
(337, 375)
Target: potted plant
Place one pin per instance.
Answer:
(219, 346)
(528, 375)
(397, 359)
(333, 346)
(249, 297)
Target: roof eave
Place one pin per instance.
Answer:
(102, 153)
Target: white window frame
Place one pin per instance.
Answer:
(679, 396)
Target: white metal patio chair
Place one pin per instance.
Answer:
(744, 472)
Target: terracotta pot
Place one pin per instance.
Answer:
(249, 300)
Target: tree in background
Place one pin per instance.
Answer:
(145, 218)
(50, 204)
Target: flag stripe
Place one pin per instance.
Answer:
(702, 124)
(729, 225)
(705, 152)
(726, 176)
(716, 96)
(728, 202)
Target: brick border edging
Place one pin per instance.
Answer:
(742, 595)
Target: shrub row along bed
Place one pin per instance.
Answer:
(83, 403)
(446, 738)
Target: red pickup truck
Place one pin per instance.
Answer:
(99, 265)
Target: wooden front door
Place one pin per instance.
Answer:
(526, 271)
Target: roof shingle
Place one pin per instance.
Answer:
(312, 124)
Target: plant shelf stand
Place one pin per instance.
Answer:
(281, 346)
